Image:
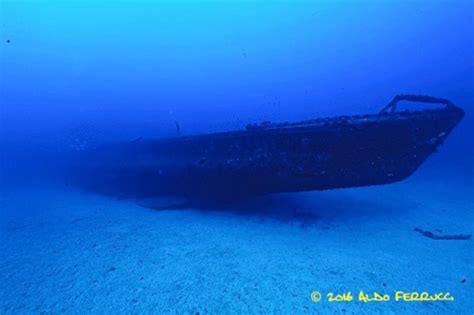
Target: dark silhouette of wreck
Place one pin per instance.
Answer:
(319, 154)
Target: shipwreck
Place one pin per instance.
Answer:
(317, 154)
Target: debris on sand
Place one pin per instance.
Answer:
(434, 236)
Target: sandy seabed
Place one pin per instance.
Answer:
(67, 251)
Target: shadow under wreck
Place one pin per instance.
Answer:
(319, 154)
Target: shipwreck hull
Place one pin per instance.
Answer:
(340, 152)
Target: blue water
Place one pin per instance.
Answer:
(75, 74)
